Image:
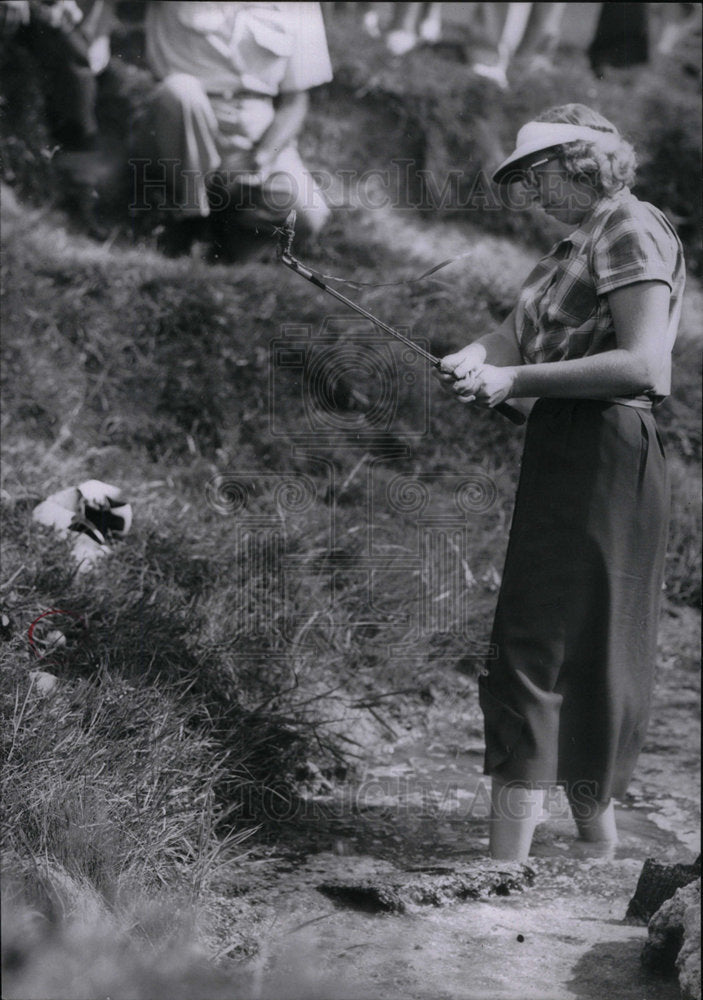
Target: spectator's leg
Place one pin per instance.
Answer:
(488, 15)
(69, 87)
(68, 83)
(291, 185)
(370, 18)
(178, 138)
(621, 38)
(430, 29)
(543, 30)
(511, 36)
(182, 130)
(402, 33)
(680, 20)
(405, 16)
(513, 31)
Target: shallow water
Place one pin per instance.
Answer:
(447, 795)
(424, 803)
(421, 807)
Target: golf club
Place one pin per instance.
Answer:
(285, 244)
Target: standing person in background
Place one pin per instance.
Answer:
(231, 100)
(680, 20)
(411, 24)
(621, 38)
(530, 29)
(566, 701)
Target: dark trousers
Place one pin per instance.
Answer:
(567, 699)
(621, 37)
(67, 81)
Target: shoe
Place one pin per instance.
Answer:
(85, 177)
(540, 64)
(430, 31)
(232, 243)
(494, 73)
(371, 24)
(400, 42)
(177, 236)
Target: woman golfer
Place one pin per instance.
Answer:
(566, 700)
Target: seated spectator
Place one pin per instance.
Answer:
(232, 97)
(71, 45)
(71, 42)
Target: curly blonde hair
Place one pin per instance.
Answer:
(608, 172)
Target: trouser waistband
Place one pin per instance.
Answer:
(639, 404)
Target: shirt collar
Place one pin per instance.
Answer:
(603, 206)
(579, 236)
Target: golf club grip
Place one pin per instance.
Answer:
(515, 416)
(505, 409)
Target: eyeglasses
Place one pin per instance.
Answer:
(529, 178)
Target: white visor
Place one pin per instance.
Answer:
(537, 136)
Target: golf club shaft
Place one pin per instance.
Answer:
(508, 411)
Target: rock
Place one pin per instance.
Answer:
(52, 642)
(656, 884)
(397, 892)
(5, 626)
(44, 682)
(666, 930)
(310, 780)
(688, 962)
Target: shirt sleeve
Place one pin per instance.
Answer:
(636, 244)
(309, 65)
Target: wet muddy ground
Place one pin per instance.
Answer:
(421, 804)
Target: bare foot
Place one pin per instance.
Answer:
(603, 850)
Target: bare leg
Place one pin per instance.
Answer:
(513, 32)
(430, 28)
(402, 33)
(405, 16)
(515, 812)
(595, 821)
(543, 31)
(511, 37)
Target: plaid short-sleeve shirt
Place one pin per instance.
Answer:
(562, 310)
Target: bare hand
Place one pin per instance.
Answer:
(493, 385)
(253, 179)
(456, 366)
(258, 168)
(466, 387)
(487, 385)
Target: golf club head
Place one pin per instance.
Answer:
(286, 234)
